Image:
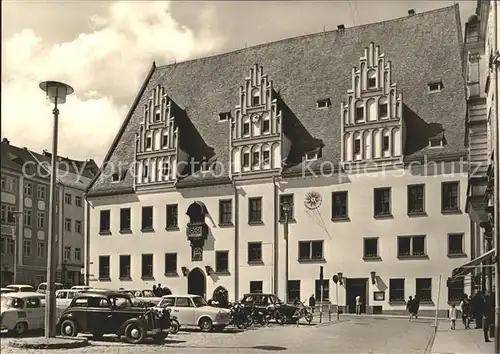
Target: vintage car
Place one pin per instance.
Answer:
(193, 310)
(6, 290)
(42, 287)
(21, 312)
(64, 297)
(146, 296)
(261, 301)
(112, 312)
(22, 288)
(81, 287)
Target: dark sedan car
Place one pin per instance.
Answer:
(111, 312)
(261, 301)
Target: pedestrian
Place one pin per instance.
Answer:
(465, 309)
(155, 291)
(358, 305)
(312, 303)
(453, 316)
(416, 303)
(488, 310)
(409, 307)
(476, 303)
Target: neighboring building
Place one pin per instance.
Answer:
(480, 139)
(359, 130)
(25, 179)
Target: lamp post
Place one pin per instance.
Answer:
(56, 93)
(15, 215)
(286, 209)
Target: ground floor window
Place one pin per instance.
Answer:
(293, 290)
(326, 290)
(396, 290)
(424, 289)
(256, 287)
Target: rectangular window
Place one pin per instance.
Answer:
(456, 289)
(78, 226)
(456, 244)
(40, 250)
(225, 212)
(40, 192)
(27, 218)
(416, 193)
(423, 288)
(382, 110)
(385, 143)
(411, 246)
(324, 103)
(224, 116)
(27, 248)
(172, 216)
(222, 261)
(370, 247)
(67, 198)
(246, 129)
(125, 267)
(310, 250)
(166, 169)
(10, 246)
(145, 170)
(293, 290)
(78, 254)
(372, 82)
(125, 215)
(326, 289)
(67, 224)
(450, 200)
(104, 267)
(4, 183)
(339, 205)
(255, 210)
(246, 159)
(78, 201)
(40, 219)
(255, 100)
(360, 113)
(170, 263)
(266, 126)
(256, 158)
(149, 142)
(147, 218)
(382, 200)
(265, 157)
(256, 287)
(147, 266)
(254, 252)
(164, 140)
(396, 290)
(67, 252)
(104, 225)
(28, 189)
(286, 207)
(357, 146)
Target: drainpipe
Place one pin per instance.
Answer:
(87, 240)
(236, 243)
(276, 238)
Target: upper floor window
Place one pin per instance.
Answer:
(411, 246)
(104, 267)
(310, 250)
(382, 110)
(28, 189)
(372, 82)
(357, 146)
(67, 198)
(40, 192)
(370, 248)
(164, 140)
(125, 266)
(225, 212)
(266, 126)
(78, 201)
(382, 201)
(157, 115)
(311, 156)
(149, 142)
(339, 205)
(166, 169)
(254, 252)
(78, 226)
(125, 220)
(265, 157)
(436, 142)
(436, 86)
(255, 210)
(105, 221)
(246, 160)
(255, 100)
(67, 224)
(145, 170)
(147, 266)
(450, 200)
(416, 194)
(455, 244)
(147, 218)
(246, 129)
(360, 113)
(172, 215)
(323, 103)
(385, 143)
(256, 158)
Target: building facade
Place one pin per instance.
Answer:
(25, 201)
(337, 151)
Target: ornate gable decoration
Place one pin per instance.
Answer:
(372, 122)
(156, 140)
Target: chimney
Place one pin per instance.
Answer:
(5, 141)
(411, 12)
(341, 27)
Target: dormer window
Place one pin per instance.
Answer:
(149, 142)
(385, 143)
(360, 113)
(255, 158)
(435, 86)
(324, 103)
(225, 116)
(164, 140)
(116, 177)
(246, 159)
(246, 129)
(382, 110)
(266, 126)
(357, 146)
(436, 142)
(311, 156)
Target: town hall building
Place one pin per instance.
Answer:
(252, 170)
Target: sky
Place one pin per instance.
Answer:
(104, 49)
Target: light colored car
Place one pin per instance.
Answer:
(64, 297)
(21, 312)
(22, 288)
(42, 287)
(146, 296)
(6, 290)
(193, 310)
(81, 287)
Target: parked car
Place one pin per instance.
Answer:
(6, 290)
(42, 287)
(81, 287)
(193, 310)
(21, 312)
(261, 301)
(111, 312)
(65, 296)
(147, 296)
(22, 288)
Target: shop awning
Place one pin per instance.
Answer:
(469, 267)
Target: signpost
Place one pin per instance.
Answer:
(335, 279)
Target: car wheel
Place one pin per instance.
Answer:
(20, 328)
(69, 328)
(206, 324)
(134, 333)
(174, 327)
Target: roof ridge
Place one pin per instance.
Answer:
(442, 9)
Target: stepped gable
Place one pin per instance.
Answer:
(422, 48)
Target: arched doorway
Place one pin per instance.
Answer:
(196, 282)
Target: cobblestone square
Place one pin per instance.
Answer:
(350, 335)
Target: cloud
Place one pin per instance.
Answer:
(105, 66)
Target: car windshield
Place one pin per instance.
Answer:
(120, 301)
(11, 302)
(148, 293)
(199, 301)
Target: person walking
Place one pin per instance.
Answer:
(465, 309)
(312, 303)
(358, 305)
(416, 307)
(488, 317)
(453, 316)
(409, 307)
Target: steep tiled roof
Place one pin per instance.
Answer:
(423, 48)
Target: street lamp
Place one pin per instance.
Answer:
(15, 214)
(56, 93)
(286, 209)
